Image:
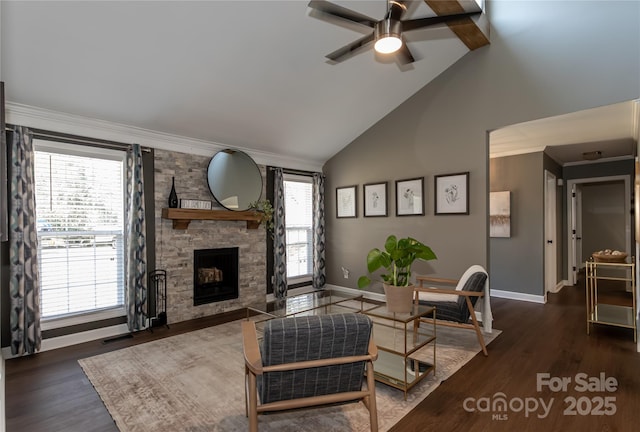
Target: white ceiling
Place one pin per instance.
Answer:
(243, 74)
(610, 129)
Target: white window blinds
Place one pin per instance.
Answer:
(298, 192)
(79, 208)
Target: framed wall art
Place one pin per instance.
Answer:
(346, 202)
(375, 199)
(452, 194)
(410, 197)
(500, 214)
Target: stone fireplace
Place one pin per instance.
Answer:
(215, 275)
(175, 247)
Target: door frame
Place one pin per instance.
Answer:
(627, 217)
(550, 234)
(575, 230)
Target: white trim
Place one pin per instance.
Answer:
(517, 151)
(366, 294)
(550, 244)
(559, 286)
(70, 320)
(44, 145)
(76, 338)
(517, 296)
(297, 178)
(55, 121)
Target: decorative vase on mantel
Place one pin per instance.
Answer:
(399, 298)
(173, 197)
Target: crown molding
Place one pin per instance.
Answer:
(514, 151)
(55, 121)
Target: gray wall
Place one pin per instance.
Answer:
(545, 59)
(517, 262)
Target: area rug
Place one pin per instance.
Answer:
(194, 382)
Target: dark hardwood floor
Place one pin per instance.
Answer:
(49, 392)
(538, 338)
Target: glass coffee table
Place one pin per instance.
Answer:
(317, 302)
(402, 363)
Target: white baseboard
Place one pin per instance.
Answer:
(494, 293)
(517, 296)
(76, 338)
(353, 291)
(559, 286)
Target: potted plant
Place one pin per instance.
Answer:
(397, 258)
(266, 211)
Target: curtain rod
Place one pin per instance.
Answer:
(76, 139)
(294, 171)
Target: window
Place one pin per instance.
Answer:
(298, 195)
(79, 206)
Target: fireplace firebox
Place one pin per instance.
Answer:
(215, 275)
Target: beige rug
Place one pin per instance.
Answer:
(194, 383)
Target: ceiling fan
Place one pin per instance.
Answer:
(387, 32)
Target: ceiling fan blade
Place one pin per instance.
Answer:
(344, 52)
(341, 12)
(404, 55)
(418, 23)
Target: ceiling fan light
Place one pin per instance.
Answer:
(388, 44)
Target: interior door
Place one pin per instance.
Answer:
(550, 249)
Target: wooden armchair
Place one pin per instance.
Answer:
(454, 307)
(308, 361)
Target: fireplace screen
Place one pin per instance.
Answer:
(215, 275)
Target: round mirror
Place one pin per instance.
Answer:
(234, 179)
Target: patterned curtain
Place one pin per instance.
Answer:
(24, 281)
(319, 278)
(279, 238)
(136, 254)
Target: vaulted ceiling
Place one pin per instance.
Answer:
(243, 74)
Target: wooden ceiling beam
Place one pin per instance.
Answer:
(466, 29)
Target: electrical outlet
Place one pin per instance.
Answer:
(345, 273)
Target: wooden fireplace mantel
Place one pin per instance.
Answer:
(182, 217)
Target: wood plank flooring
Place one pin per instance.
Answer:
(49, 392)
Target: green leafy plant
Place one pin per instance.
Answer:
(265, 209)
(397, 258)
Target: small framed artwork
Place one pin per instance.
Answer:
(346, 202)
(375, 199)
(500, 214)
(452, 194)
(410, 197)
